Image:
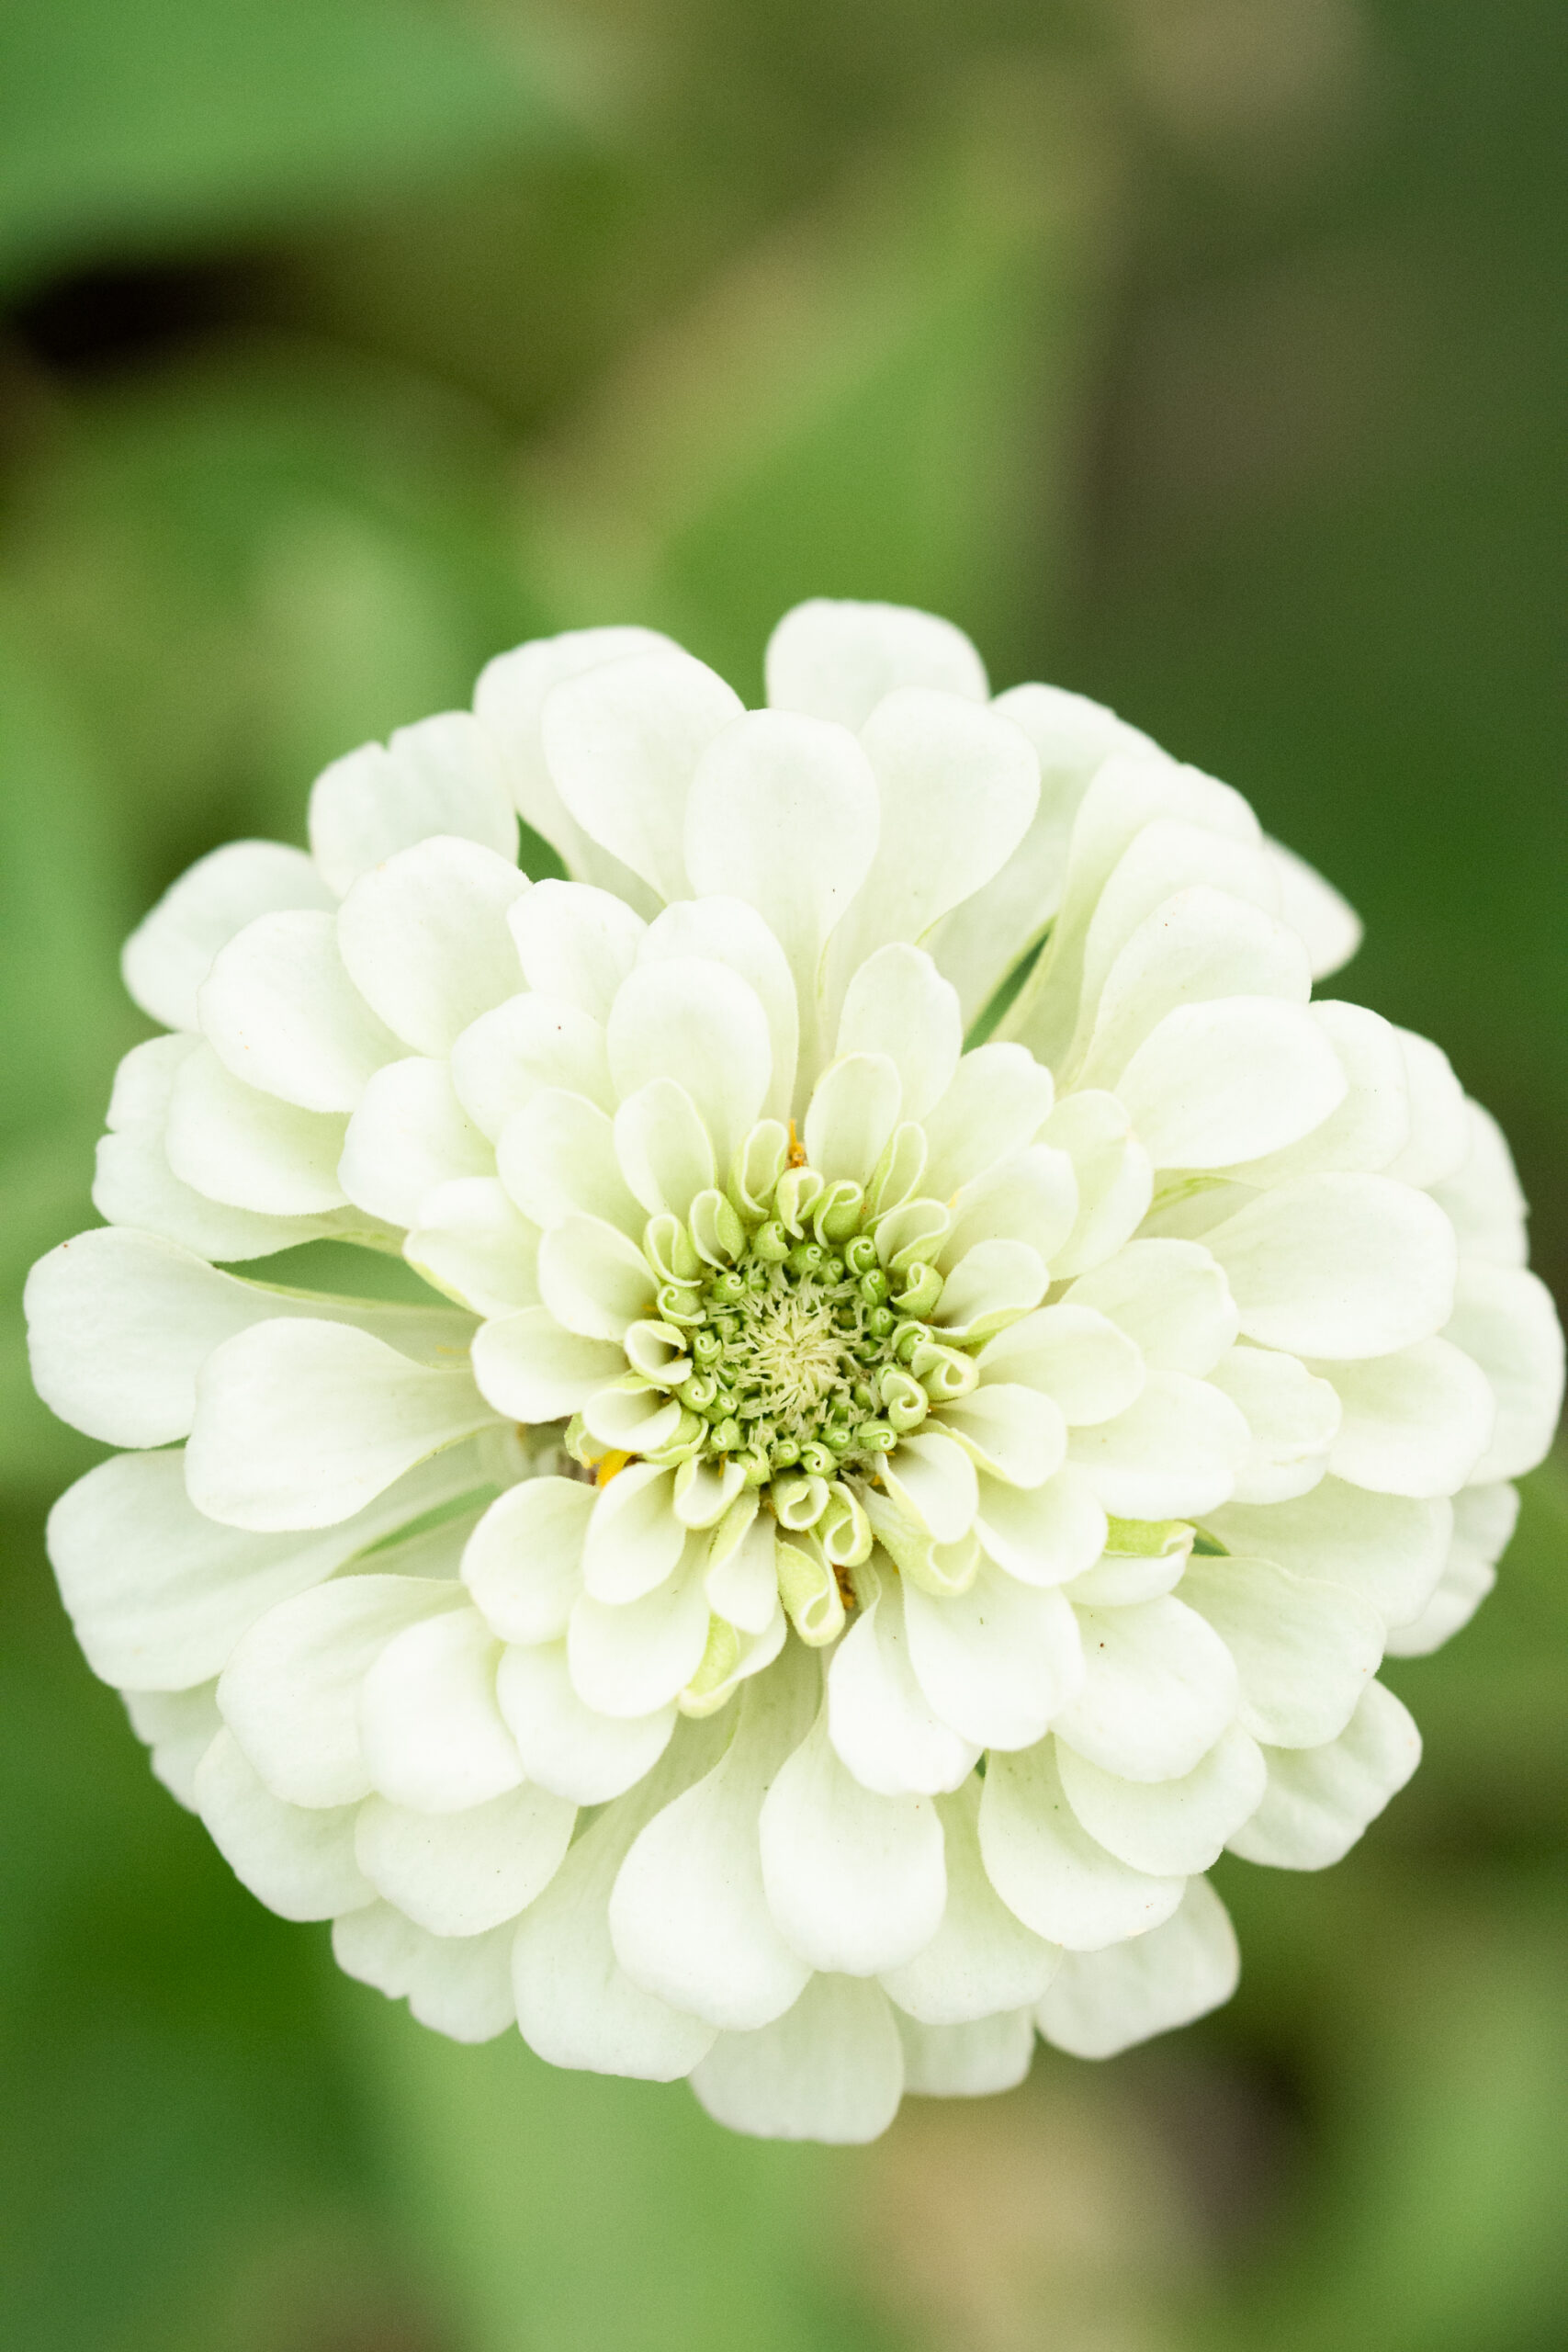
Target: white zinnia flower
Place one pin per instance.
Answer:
(865, 1521)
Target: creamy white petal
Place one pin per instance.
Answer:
(898, 1004)
(633, 1659)
(851, 1116)
(1304, 1652)
(169, 955)
(134, 1185)
(593, 1280)
(835, 659)
(1339, 1266)
(1089, 1366)
(831, 2068)
(471, 1243)
(1159, 1687)
(633, 1538)
(299, 1863)
(998, 1662)
(663, 1150)
(425, 939)
(1319, 1800)
(575, 943)
(698, 1023)
(994, 1107)
(1044, 1536)
(1506, 1320)
(854, 1880)
(1481, 1197)
(1103, 2001)
(512, 1053)
(880, 1721)
(443, 775)
(1171, 1827)
(969, 2061)
(177, 1728)
(1372, 1126)
(302, 1423)
(533, 1371)
(719, 929)
(1215, 1084)
(932, 1479)
(408, 1136)
(564, 1745)
(993, 1283)
(1483, 1521)
(458, 1985)
(1047, 1869)
(621, 741)
(460, 1873)
(1414, 1422)
(1328, 923)
(522, 1564)
(1173, 1453)
(1438, 1140)
(981, 1959)
(1032, 1197)
(1170, 1296)
(576, 2004)
(689, 1917)
(282, 1013)
(432, 1732)
(1167, 858)
(290, 1691)
(1115, 1177)
(557, 1157)
(1384, 1549)
(1011, 1432)
(248, 1149)
(1293, 1417)
(1197, 946)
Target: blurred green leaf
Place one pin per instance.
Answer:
(128, 126)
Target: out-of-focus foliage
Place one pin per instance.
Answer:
(1206, 355)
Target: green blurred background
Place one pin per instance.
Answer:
(1208, 355)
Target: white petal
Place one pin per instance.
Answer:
(1198, 945)
(702, 1026)
(471, 1243)
(301, 1424)
(726, 931)
(1293, 1417)
(1439, 1137)
(1372, 1126)
(300, 1864)
(1012, 1432)
(533, 1371)
(992, 1282)
(1340, 1266)
(1382, 1548)
(856, 1880)
(282, 1014)
(1504, 1319)
(1172, 1455)
(633, 1659)
(177, 1727)
(1160, 1689)
(575, 943)
(981, 1959)
(878, 1718)
(593, 1280)
(563, 1744)
(969, 2061)
(1328, 923)
(1170, 1296)
(168, 956)
(1103, 2001)
(1047, 1536)
(1319, 1800)
(835, 659)
(557, 1159)
(898, 1004)
(1167, 859)
(1481, 1197)
(1049, 1871)
(663, 1151)
(1483, 1521)
(460, 1873)
(576, 2004)
(933, 1480)
(1115, 1177)
(1215, 1084)
(425, 939)
(958, 783)
(1416, 1422)
(1085, 1363)
(784, 813)
(1170, 1828)
(1032, 1198)
(443, 775)
(522, 1564)
(994, 1107)
(408, 1136)
(158, 1594)
(458, 1985)
(688, 1916)
(634, 1541)
(1303, 1652)
(509, 1055)
(621, 741)
(432, 1735)
(851, 1116)
(247, 1148)
(831, 2068)
(290, 1691)
(998, 1662)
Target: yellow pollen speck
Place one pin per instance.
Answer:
(796, 1148)
(610, 1467)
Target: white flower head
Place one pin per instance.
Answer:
(850, 1524)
